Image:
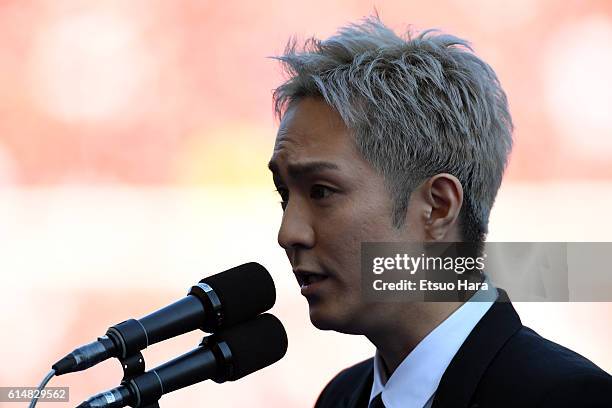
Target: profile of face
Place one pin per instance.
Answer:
(333, 200)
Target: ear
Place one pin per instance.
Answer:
(443, 195)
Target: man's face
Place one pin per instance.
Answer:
(333, 200)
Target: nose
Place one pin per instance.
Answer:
(296, 230)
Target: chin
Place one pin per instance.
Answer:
(328, 319)
(322, 324)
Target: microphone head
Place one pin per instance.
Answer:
(254, 345)
(244, 291)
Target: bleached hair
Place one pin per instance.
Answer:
(417, 106)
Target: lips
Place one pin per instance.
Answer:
(307, 278)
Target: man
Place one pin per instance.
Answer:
(385, 139)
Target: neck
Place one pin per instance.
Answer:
(396, 338)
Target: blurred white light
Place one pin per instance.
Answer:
(578, 84)
(88, 66)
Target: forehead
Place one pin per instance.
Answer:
(312, 129)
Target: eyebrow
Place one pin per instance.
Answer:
(298, 170)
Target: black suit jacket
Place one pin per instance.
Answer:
(501, 364)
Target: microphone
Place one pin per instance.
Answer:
(227, 355)
(220, 300)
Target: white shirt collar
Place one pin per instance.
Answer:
(416, 379)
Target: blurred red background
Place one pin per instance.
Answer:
(134, 137)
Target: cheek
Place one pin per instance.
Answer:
(360, 219)
(344, 228)
(372, 222)
(340, 234)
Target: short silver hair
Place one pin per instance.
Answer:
(417, 106)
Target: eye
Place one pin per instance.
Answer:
(284, 194)
(319, 192)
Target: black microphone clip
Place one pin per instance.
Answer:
(133, 366)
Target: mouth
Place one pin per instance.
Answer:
(308, 280)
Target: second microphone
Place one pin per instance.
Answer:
(218, 301)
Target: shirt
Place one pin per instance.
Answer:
(413, 384)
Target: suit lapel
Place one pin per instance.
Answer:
(463, 374)
(360, 398)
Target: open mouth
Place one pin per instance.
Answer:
(307, 278)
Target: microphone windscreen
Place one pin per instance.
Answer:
(244, 291)
(255, 344)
